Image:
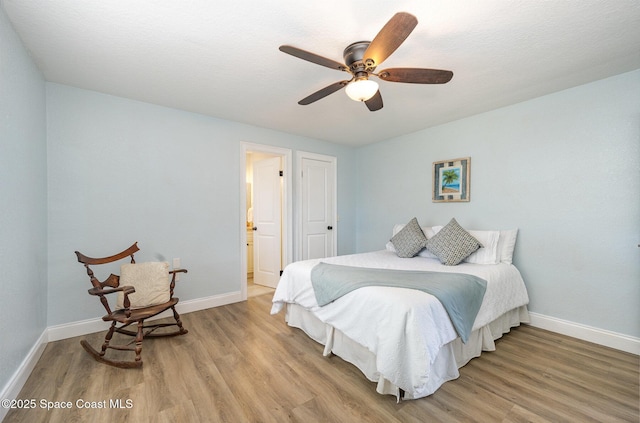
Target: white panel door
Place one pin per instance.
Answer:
(267, 222)
(317, 208)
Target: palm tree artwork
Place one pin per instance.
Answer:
(449, 179)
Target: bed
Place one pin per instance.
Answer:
(403, 339)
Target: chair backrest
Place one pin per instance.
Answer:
(113, 280)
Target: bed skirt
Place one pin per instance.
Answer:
(445, 367)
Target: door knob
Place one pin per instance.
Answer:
(255, 228)
(329, 227)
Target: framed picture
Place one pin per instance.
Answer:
(451, 180)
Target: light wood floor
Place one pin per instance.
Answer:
(239, 364)
(254, 290)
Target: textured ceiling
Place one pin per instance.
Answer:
(221, 58)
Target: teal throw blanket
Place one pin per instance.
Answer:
(460, 294)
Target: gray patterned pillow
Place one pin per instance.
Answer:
(410, 240)
(452, 244)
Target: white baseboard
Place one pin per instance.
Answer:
(12, 389)
(84, 327)
(607, 338)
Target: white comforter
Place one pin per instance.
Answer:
(404, 328)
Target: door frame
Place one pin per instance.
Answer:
(300, 155)
(287, 207)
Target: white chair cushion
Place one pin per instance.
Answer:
(151, 281)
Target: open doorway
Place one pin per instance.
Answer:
(266, 210)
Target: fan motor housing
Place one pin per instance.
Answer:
(354, 54)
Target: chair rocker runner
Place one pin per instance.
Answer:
(143, 291)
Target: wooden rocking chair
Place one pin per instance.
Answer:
(155, 295)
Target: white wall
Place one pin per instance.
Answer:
(122, 171)
(564, 169)
(23, 209)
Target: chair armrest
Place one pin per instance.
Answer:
(101, 291)
(173, 274)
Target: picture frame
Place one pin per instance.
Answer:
(451, 180)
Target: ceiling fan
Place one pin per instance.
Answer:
(361, 59)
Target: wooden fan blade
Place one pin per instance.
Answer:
(323, 92)
(375, 102)
(416, 75)
(313, 58)
(389, 38)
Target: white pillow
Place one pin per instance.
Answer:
(428, 230)
(489, 252)
(151, 281)
(506, 245)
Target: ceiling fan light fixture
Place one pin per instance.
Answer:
(361, 89)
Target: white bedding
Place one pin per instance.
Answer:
(404, 329)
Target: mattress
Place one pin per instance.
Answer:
(401, 338)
